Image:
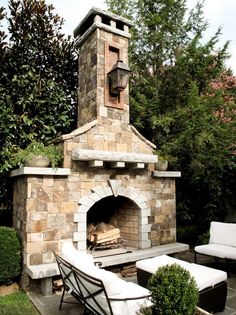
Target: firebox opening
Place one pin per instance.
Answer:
(117, 218)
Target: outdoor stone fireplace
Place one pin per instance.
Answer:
(108, 170)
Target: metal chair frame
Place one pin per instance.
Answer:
(86, 289)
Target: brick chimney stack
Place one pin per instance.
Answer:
(102, 40)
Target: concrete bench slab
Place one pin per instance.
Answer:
(45, 272)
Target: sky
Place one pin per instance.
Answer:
(217, 13)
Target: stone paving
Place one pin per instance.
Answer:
(48, 305)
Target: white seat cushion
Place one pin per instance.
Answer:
(204, 276)
(152, 264)
(132, 306)
(217, 250)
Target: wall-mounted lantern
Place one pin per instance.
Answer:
(118, 77)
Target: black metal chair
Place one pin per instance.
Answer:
(69, 283)
(88, 290)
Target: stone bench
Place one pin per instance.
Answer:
(45, 272)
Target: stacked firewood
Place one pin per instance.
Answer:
(125, 270)
(103, 235)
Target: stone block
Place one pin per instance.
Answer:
(67, 207)
(82, 227)
(46, 286)
(145, 228)
(80, 217)
(79, 236)
(145, 244)
(48, 181)
(38, 216)
(52, 246)
(35, 226)
(35, 247)
(144, 220)
(42, 195)
(52, 207)
(52, 235)
(36, 259)
(35, 237)
(56, 221)
(29, 190)
(58, 196)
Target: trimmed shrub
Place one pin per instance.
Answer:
(10, 255)
(174, 291)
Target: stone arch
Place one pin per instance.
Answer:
(114, 188)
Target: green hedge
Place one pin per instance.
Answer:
(10, 255)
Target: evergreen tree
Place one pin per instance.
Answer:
(174, 105)
(38, 81)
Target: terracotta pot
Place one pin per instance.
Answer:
(38, 161)
(162, 165)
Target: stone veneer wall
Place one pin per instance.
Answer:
(45, 217)
(95, 61)
(43, 214)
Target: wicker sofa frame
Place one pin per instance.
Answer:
(211, 299)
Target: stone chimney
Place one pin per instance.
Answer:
(102, 40)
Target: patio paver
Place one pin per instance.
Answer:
(49, 305)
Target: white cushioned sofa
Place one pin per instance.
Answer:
(101, 291)
(211, 282)
(222, 242)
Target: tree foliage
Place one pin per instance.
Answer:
(174, 102)
(38, 80)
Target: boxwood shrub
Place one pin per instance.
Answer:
(10, 255)
(173, 291)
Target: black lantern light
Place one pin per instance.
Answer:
(118, 77)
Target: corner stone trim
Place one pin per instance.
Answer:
(115, 188)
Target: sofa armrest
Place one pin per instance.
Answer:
(130, 298)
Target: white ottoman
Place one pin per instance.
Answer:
(211, 282)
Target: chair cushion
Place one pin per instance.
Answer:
(112, 283)
(223, 233)
(74, 256)
(152, 264)
(217, 250)
(204, 276)
(130, 307)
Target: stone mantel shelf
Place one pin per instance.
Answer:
(40, 171)
(166, 174)
(109, 156)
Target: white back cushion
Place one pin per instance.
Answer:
(223, 233)
(76, 257)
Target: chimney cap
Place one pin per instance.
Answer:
(106, 18)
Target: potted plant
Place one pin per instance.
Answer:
(173, 291)
(162, 163)
(37, 154)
